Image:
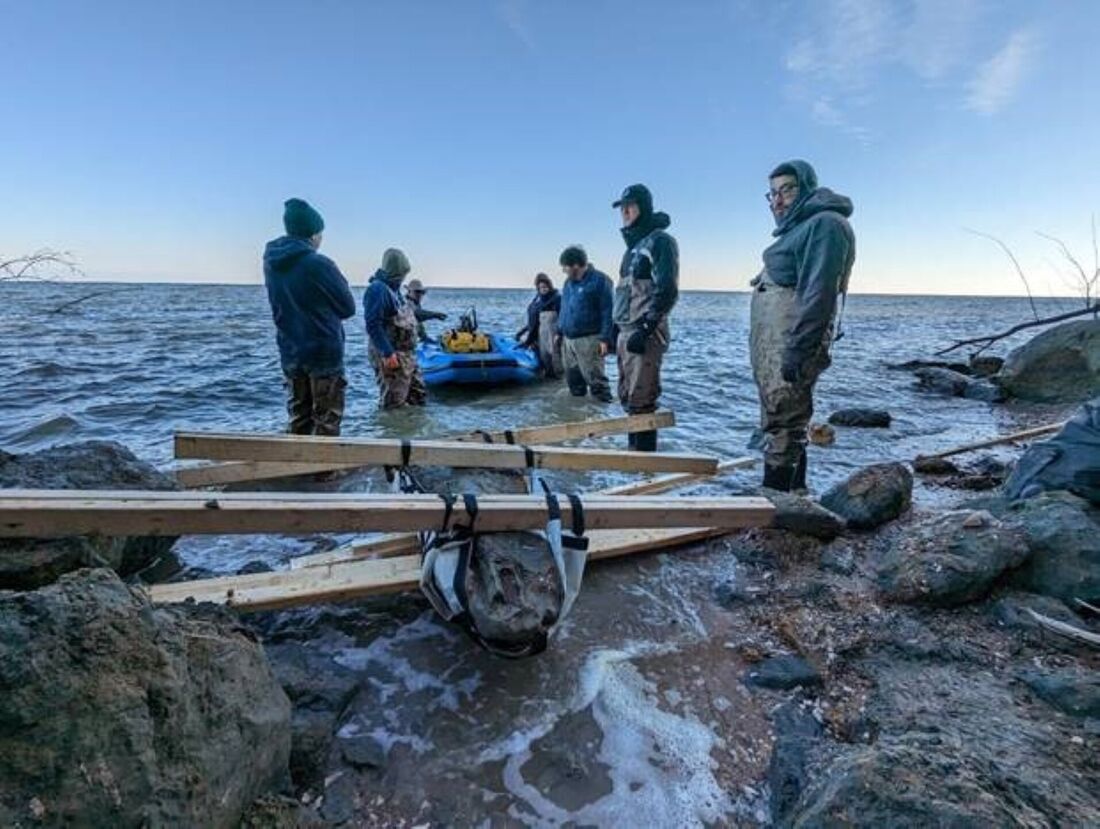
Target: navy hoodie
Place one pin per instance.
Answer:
(309, 300)
(381, 302)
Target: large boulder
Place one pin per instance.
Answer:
(796, 514)
(950, 559)
(1063, 535)
(871, 496)
(114, 712)
(1062, 364)
(29, 563)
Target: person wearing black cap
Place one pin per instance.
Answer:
(414, 293)
(647, 291)
(793, 309)
(309, 300)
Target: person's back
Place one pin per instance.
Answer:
(309, 300)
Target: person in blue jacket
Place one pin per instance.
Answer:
(585, 324)
(309, 300)
(391, 333)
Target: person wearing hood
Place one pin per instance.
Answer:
(414, 293)
(391, 335)
(645, 295)
(309, 300)
(793, 309)
(541, 331)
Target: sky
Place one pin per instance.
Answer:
(157, 141)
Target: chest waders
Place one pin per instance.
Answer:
(785, 408)
(549, 355)
(403, 385)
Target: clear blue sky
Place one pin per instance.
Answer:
(157, 140)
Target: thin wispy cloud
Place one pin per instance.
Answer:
(836, 64)
(997, 79)
(514, 15)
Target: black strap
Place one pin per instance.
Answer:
(509, 437)
(577, 509)
(448, 509)
(528, 456)
(553, 508)
(406, 451)
(486, 437)
(469, 500)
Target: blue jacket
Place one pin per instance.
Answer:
(381, 302)
(586, 306)
(309, 299)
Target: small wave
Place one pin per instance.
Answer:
(46, 430)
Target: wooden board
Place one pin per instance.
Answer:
(387, 452)
(347, 580)
(52, 513)
(241, 471)
(409, 544)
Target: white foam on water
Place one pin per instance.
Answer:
(659, 763)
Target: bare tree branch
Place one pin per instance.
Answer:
(1086, 281)
(987, 341)
(1015, 263)
(86, 297)
(42, 264)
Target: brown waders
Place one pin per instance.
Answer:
(315, 403)
(640, 381)
(404, 385)
(785, 408)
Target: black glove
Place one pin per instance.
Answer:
(437, 315)
(791, 367)
(636, 342)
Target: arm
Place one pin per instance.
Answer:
(607, 301)
(375, 303)
(821, 263)
(666, 274)
(423, 315)
(334, 287)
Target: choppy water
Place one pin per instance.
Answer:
(637, 708)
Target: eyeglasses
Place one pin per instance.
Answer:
(782, 192)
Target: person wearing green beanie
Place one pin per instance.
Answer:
(309, 300)
(390, 320)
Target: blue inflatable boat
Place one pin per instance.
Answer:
(506, 363)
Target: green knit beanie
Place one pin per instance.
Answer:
(300, 219)
(395, 262)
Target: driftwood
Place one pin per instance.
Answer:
(1090, 608)
(987, 341)
(1038, 431)
(1079, 635)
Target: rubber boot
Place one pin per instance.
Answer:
(798, 480)
(778, 478)
(646, 441)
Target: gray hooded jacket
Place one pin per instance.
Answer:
(813, 254)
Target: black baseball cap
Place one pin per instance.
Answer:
(636, 194)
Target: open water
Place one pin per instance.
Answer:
(637, 709)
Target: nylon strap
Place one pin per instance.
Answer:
(577, 509)
(406, 451)
(528, 456)
(448, 509)
(509, 437)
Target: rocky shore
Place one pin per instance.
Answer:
(866, 662)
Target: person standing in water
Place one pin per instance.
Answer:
(585, 324)
(647, 291)
(309, 300)
(391, 335)
(794, 304)
(541, 330)
(414, 293)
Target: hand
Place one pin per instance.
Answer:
(604, 348)
(791, 367)
(391, 363)
(636, 342)
(439, 315)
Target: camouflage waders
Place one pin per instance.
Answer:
(402, 386)
(315, 403)
(785, 408)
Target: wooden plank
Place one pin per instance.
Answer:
(348, 580)
(241, 471)
(409, 544)
(387, 452)
(52, 513)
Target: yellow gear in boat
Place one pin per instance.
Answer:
(465, 342)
